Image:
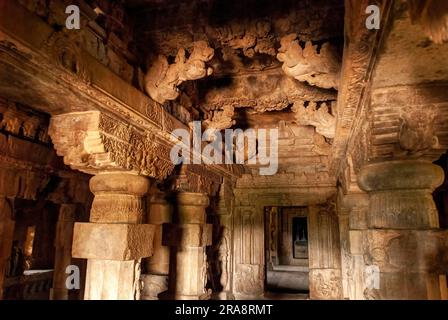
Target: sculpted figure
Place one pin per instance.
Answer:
(163, 79)
(307, 65)
(321, 119)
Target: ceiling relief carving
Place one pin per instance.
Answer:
(264, 92)
(318, 117)
(319, 69)
(221, 119)
(163, 79)
(250, 37)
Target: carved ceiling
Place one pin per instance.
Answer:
(274, 61)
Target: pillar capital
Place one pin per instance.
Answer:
(402, 233)
(400, 174)
(95, 142)
(119, 183)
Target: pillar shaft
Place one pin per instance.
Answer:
(155, 279)
(401, 221)
(352, 209)
(159, 213)
(6, 237)
(188, 237)
(115, 240)
(63, 252)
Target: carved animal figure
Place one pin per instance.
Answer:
(307, 65)
(163, 79)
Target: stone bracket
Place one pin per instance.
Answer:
(119, 242)
(187, 235)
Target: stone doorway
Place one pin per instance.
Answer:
(287, 252)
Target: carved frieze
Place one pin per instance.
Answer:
(357, 69)
(267, 91)
(250, 37)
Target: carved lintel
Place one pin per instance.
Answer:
(92, 141)
(357, 69)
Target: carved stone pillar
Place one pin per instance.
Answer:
(63, 252)
(155, 281)
(352, 208)
(402, 245)
(160, 212)
(188, 236)
(324, 253)
(6, 237)
(114, 241)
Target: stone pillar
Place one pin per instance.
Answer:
(324, 253)
(155, 280)
(63, 252)
(400, 245)
(6, 237)
(160, 212)
(352, 209)
(188, 236)
(114, 241)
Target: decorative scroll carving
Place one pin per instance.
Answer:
(320, 118)
(221, 119)
(163, 79)
(307, 65)
(249, 36)
(433, 16)
(90, 141)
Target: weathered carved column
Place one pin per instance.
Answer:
(402, 241)
(115, 240)
(189, 233)
(6, 237)
(324, 253)
(352, 208)
(160, 212)
(189, 236)
(155, 281)
(121, 157)
(63, 252)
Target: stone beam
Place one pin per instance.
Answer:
(360, 53)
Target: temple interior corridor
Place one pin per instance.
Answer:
(223, 150)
